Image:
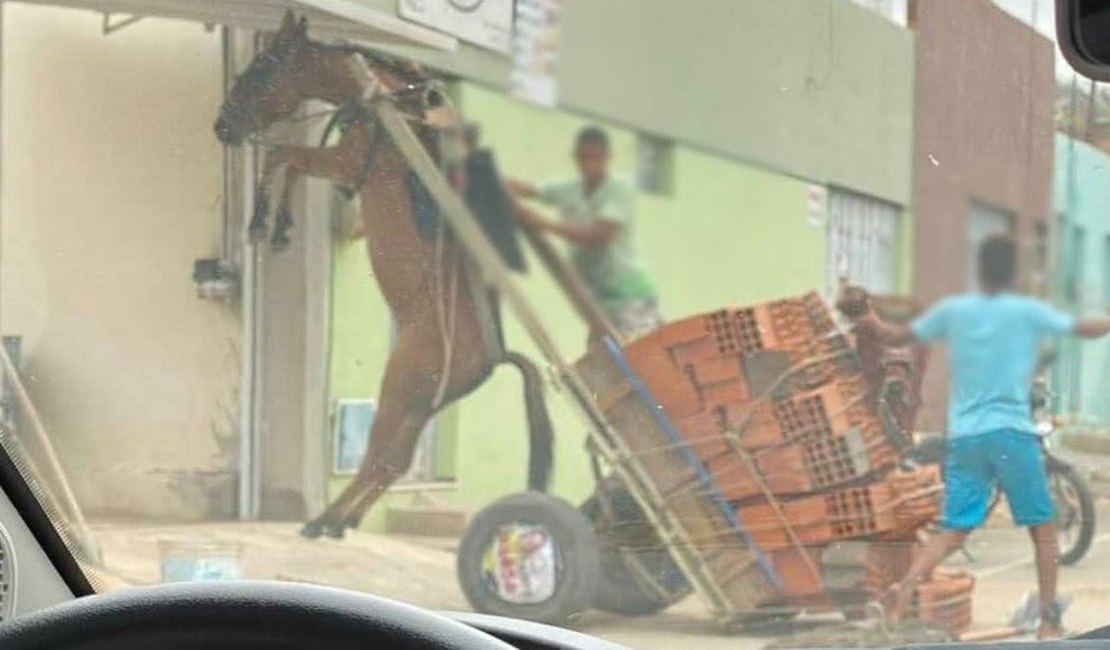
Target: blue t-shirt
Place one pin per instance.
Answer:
(993, 344)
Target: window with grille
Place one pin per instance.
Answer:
(983, 221)
(654, 164)
(862, 242)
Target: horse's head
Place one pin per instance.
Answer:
(295, 68)
(268, 90)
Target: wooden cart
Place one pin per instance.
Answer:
(746, 563)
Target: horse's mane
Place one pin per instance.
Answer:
(393, 65)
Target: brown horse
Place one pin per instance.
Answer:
(440, 353)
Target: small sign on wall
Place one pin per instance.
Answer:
(816, 200)
(534, 74)
(353, 418)
(485, 23)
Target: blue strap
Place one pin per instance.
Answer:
(704, 477)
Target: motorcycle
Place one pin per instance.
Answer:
(1075, 507)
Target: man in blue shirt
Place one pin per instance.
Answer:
(993, 340)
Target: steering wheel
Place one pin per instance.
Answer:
(238, 616)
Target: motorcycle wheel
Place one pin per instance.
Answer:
(1075, 513)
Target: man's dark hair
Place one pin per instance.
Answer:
(592, 135)
(997, 262)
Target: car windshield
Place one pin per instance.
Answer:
(737, 324)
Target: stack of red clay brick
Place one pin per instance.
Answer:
(772, 402)
(944, 600)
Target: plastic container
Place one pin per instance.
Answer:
(200, 560)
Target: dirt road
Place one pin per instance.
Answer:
(422, 571)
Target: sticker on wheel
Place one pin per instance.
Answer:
(520, 564)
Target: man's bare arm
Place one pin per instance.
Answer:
(596, 233)
(890, 334)
(521, 189)
(1091, 328)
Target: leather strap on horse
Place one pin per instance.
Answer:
(446, 316)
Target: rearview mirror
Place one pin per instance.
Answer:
(1083, 33)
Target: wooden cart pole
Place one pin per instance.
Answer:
(493, 270)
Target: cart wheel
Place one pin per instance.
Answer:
(624, 539)
(530, 556)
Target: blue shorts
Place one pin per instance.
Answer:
(1008, 459)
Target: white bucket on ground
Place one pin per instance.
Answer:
(200, 560)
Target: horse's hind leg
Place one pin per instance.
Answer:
(466, 375)
(404, 409)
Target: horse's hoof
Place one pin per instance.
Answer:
(312, 529)
(280, 243)
(352, 522)
(257, 233)
(335, 530)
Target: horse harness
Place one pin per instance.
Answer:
(429, 224)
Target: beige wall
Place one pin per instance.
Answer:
(111, 188)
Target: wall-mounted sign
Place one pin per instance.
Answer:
(816, 197)
(353, 419)
(535, 68)
(485, 23)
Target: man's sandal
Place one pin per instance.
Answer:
(1051, 626)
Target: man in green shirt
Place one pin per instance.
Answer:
(598, 215)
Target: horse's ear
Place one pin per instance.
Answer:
(288, 24)
(302, 28)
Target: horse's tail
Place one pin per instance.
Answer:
(541, 435)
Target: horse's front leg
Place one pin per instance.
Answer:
(340, 164)
(257, 230)
(283, 219)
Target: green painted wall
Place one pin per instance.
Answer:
(729, 233)
(1081, 196)
(819, 90)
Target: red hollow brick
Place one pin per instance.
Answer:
(715, 370)
(887, 562)
(725, 393)
(696, 350)
(797, 576)
(734, 478)
(807, 517)
(683, 331)
(666, 381)
(753, 422)
(945, 600)
(703, 434)
(784, 469)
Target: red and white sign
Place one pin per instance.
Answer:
(816, 200)
(534, 75)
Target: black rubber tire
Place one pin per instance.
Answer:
(620, 592)
(1086, 535)
(577, 563)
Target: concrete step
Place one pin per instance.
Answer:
(426, 520)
